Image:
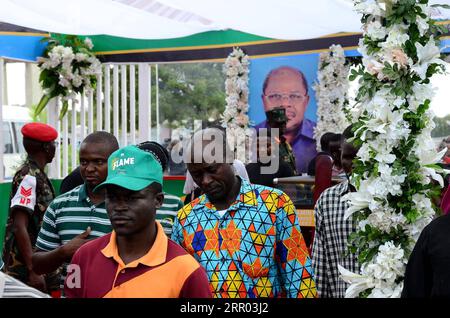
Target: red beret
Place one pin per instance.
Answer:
(39, 131)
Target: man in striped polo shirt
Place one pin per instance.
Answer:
(168, 211)
(172, 204)
(72, 219)
(136, 259)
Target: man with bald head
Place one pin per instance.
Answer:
(79, 215)
(246, 236)
(287, 87)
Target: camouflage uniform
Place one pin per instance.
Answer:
(286, 154)
(34, 197)
(276, 118)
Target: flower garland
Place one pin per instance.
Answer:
(68, 67)
(331, 93)
(397, 159)
(235, 116)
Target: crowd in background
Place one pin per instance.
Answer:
(114, 232)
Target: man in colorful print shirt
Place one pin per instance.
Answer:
(246, 236)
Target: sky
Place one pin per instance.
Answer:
(441, 102)
(16, 93)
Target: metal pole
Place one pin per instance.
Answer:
(132, 103)
(144, 101)
(123, 105)
(158, 128)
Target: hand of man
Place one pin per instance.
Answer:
(37, 281)
(74, 244)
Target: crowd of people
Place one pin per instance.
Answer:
(114, 233)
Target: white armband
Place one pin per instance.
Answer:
(26, 193)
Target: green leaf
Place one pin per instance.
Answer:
(42, 103)
(64, 109)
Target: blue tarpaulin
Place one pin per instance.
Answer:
(21, 47)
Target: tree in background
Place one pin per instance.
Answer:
(189, 92)
(442, 128)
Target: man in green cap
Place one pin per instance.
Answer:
(276, 118)
(136, 259)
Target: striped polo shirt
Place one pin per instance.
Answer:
(168, 211)
(13, 288)
(68, 216)
(166, 271)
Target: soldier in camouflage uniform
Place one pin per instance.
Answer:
(276, 118)
(31, 193)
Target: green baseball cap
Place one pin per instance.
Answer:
(133, 169)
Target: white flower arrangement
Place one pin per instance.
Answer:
(396, 163)
(68, 67)
(331, 93)
(378, 274)
(235, 116)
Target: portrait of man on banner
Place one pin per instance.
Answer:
(286, 82)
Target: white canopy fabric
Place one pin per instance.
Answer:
(165, 19)
(285, 19)
(91, 17)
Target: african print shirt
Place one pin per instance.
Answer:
(32, 191)
(255, 250)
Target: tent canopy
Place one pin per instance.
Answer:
(124, 30)
(163, 19)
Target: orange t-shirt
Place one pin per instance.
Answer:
(166, 271)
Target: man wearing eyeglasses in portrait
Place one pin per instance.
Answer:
(287, 87)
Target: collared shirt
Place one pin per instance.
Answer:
(303, 145)
(330, 247)
(68, 216)
(32, 191)
(168, 211)
(13, 288)
(255, 250)
(166, 271)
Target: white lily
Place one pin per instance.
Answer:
(397, 37)
(432, 174)
(376, 31)
(431, 156)
(428, 54)
(422, 24)
(385, 157)
(357, 200)
(358, 283)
